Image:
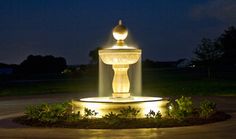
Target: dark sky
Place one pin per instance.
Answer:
(163, 29)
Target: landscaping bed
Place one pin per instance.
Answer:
(180, 113)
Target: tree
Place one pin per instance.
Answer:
(148, 63)
(207, 54)
(43, 64)
(93, 54)
(227, 40)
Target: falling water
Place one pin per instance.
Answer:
(135, 76)
(105, 79)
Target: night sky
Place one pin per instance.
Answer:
(163, 29)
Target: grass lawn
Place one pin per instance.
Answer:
(179, 82)
(156, 82)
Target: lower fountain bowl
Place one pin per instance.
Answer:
(105, 105)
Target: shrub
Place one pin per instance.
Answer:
(73, 117)
(129, 112)
(153, 115)
(185, 104)
(88, 113)
(182, 108)
(173, 111)
(35, 111)
(111, 118)
(111, 115)
(207, 108)
(49, 112)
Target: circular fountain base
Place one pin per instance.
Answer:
(105, 105)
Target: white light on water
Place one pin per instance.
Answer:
(121, 47)
(117, 100)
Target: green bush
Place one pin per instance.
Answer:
(73, 117)
(111, 115)
(51, 112)
(207, 108)
(129, 112)
(111, 118)
(185, 104)
(36, 111)
(154, 115)
(181, 108)
(88, 113)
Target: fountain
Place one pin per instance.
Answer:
(120, 57)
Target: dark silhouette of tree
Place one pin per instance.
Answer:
(148, 63)
(93, 54)
(207, 54)
(227, 40)
(43, 64)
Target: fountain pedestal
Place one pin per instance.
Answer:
(120, 82)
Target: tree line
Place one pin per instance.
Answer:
(217, 54)
(37, 64)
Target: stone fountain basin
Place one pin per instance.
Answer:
(105, 105)
(120, 56)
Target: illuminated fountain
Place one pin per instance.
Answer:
(120, 57)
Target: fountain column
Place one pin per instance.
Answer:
(120, 84)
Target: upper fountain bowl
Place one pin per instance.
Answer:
(120, 56)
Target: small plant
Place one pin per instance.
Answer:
(111, 115)
(182, 108)
(73, 117)
(129, 112)
(173, 111)
(88, 113)
(207, 108)
(48, 112)
(111, 118)
(185, 104)
(35, 111)
(153, 115)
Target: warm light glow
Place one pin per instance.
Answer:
(120, 56)
(120, 36)
(121, 47)
(132, 99)
(120, 59)
(120, 82)
(120, 32)
(105, 105)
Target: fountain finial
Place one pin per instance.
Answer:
(120, 22)
(120, 32)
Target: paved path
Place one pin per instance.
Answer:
(10, 107)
